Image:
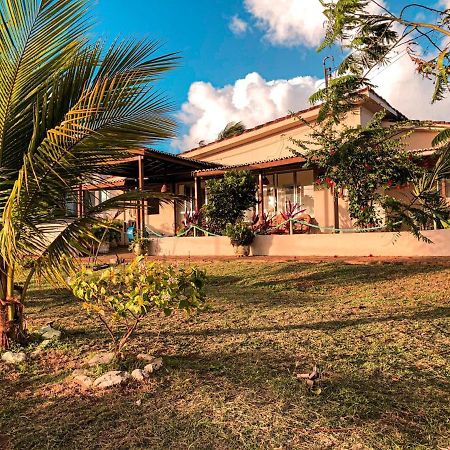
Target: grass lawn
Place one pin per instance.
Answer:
(379, 332)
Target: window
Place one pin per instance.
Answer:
(294, 187)
(305, 190)
(285, 190)
(72, 204)
(152, 207)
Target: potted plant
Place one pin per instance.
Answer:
(241, 237)
(140, 245)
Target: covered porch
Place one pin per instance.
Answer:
(285, 187)
(146, 170)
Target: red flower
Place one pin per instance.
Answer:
(390, 183)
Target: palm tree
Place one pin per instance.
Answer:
(231, 129)
(67, 106)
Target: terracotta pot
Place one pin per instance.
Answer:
(242, 250)
(137, 250)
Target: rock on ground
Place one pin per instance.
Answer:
(155, 365)
(101, 358)
(139, 374)
(83, 380)
(14, 358)
(145, 357)
(50, 333)
(111, 379)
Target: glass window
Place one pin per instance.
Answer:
(72, 204)
(305, 191)
(270, 195)
(285, 190)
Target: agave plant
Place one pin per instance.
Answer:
(291, 210)
(67, 107)
(192, 218)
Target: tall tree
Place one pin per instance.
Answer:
(368, 161)
(374, 36)
(67, 107)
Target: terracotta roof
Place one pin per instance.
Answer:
(281, 119)
(286, 160)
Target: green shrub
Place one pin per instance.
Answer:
(228, 199)
(122, 296)
(240, 234)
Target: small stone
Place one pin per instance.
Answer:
(83, 381)
(145, 357)
(14, 358)
(139, 402)
(155, 365)
(139, 374)
(111, 379)
(101, 358)
(50, 333)
(77, 372)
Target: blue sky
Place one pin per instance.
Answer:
(275, 46)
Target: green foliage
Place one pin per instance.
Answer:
(364, 161)
(122, 296)
(107, 231)
(372, 35)
(67, 106)
(228, 199)
(240, 234)
(367, 162)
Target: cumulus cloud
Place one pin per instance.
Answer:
(289, 22)
(254, 100)
(401, 85)
(251, 100)
(238, 26)
(294, 22)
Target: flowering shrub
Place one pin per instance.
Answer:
(122, 296)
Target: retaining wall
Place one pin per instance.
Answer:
(351, 244)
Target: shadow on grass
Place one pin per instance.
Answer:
(223, 401)
(424, 315)
(338, 274)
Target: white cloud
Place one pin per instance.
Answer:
(251, 100)
(401, 85)
(254, 100)
(238, 26)
(289, 22)
(294, 22)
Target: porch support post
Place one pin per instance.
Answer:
(336, 209)
(260, 198)
(80, 200)
(197, 193)
(175, 215)
(140, 203)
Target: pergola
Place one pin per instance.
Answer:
(145, 168)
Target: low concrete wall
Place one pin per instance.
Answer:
(351, 244)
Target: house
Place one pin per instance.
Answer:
(264, 150)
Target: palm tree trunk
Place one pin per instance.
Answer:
(12, 327)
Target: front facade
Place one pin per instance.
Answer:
(264, 150)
